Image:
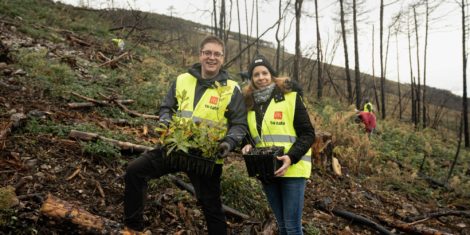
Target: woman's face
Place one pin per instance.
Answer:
(261, 77)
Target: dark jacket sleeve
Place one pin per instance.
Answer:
(168, 105)
(236, 116)
(305, 132)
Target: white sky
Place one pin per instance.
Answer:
(444, 62)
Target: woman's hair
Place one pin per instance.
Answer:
(285, 84)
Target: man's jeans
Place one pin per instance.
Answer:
(286, 198)
(150, 165)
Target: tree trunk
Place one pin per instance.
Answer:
(240, 60)
(425, 122)
(216, 30)
(376, 95)
(346, 57)
(356, 58)
(278, 40)
(418, 90)
(382, 75)
(413, 108)
(319, 55)
(298, 53)
(248, 58)
(400, 113)
(464, 72)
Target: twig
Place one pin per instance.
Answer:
(75, 173)
(114, 60)
(134, 113)
(100, 189)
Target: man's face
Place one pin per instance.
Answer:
(211, 58)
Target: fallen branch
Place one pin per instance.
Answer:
(76, 105)
(352, 217)
(87, 136)
(410, 228)
(190, 188)
(439, 214)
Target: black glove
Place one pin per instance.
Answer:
(224, 149)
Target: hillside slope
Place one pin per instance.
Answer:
(54, 58)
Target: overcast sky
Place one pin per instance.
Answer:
(444, 62)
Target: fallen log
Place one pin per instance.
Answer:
(352, 217)
(62, 210)
(87, 136)
(190, 188)
(410, 228)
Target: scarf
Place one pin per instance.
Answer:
(262, 95)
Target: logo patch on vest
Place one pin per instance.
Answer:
(278, 115)
(214, 100)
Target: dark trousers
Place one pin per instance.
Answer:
(149, 166)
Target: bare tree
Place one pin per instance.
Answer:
(357, 72)
(298, 53)
(319, 55)
(214, 6)
(247, 34)
(463, 5)
(413, 103)
(418, 90)
(382, 75)
(240, 60)
(346, 56)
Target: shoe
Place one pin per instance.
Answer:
(129, 231)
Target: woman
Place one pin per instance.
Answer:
(277, 117)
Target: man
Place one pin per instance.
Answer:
(199, 85)
(369, 120)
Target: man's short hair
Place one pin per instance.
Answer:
(212, 39)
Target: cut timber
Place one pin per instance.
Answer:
(87, 136)
(61, 210)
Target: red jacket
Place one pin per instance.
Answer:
(368, 119)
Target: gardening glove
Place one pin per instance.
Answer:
(224, 149)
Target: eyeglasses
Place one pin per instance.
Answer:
(216, 54)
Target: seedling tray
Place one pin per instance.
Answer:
(189, 162)
(262, 162)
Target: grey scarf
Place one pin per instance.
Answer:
(261, 96)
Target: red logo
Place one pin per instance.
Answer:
(214, 100)
(278, 115)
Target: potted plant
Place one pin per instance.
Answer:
(192, 145)
(262, 162)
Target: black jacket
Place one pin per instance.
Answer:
(302, 125)
(236, 110)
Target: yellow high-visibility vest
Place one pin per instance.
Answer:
(367, 109)
(278, 130)
(210, 108)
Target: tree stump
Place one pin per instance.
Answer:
(322, 152)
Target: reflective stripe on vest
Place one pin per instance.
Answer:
(277, 129)
(212, 105)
